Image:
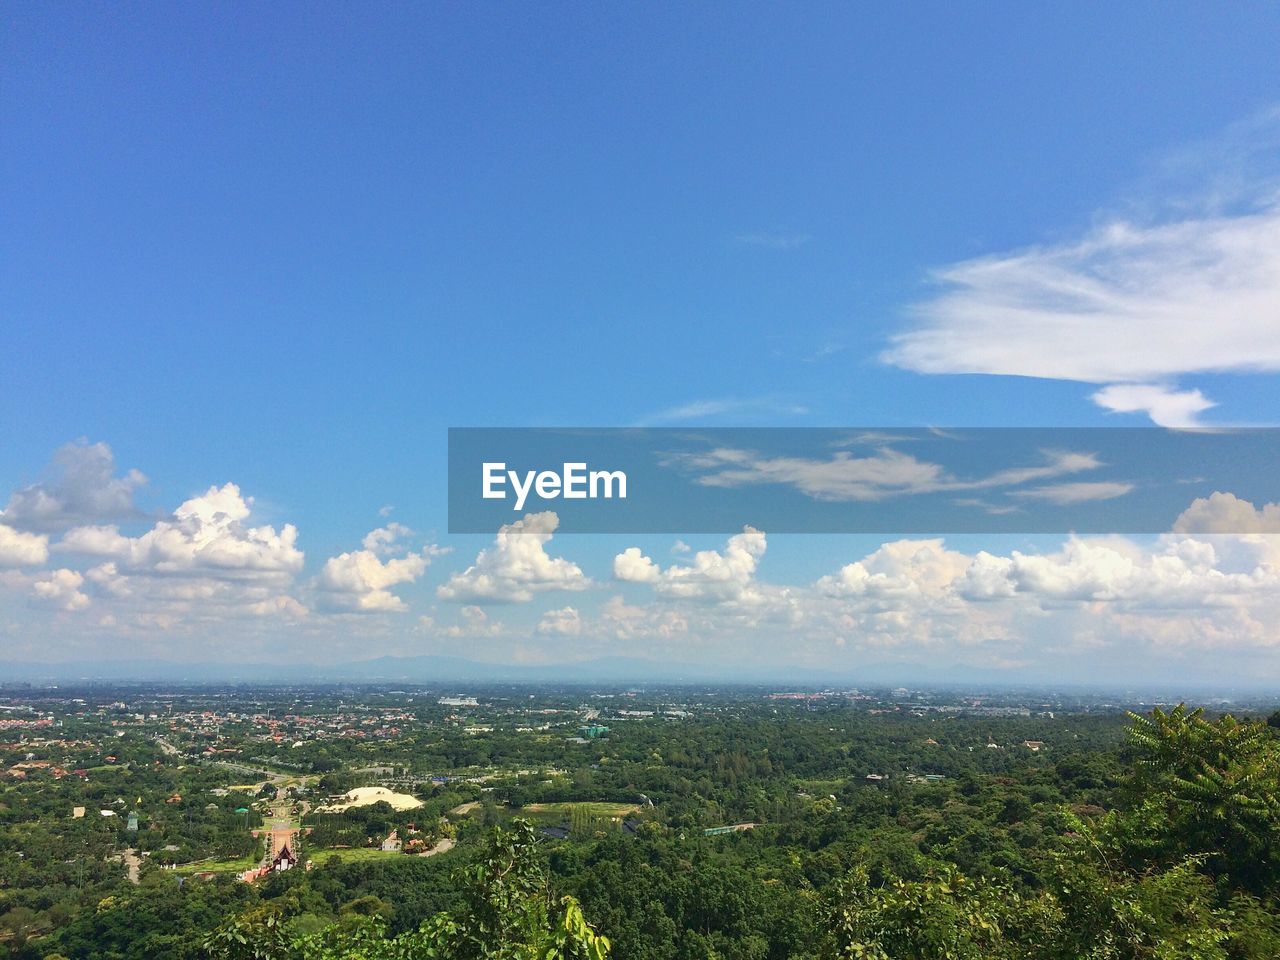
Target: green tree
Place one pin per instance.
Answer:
(509, 913)
(1207, 788)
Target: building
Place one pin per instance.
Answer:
(392, 844)
(285, 859)
(593, 731)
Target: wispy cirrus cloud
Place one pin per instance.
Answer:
(879, 475)
(1167, 406)
(1065, 494)
(721, 407)
(1134, 304)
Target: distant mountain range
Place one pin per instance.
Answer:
(414, 669)
(445, 669)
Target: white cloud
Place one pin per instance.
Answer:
(281, 605)
(381, 540)
(1130, 305)
(474, 622)
(205, 536)
(710, 575)
(1127, 304)
(204, 562)
(1065, 494)
(79, 488)
(19, 549)
(1227, 513)
(632, 566)
(898, 569)
(879, 475)
(358, 581)
(1166, 406)
(564, 622)
(516, 566)
(632, 621)
(1003, 610)
(60, 587)
(727, 407)
(914, 596)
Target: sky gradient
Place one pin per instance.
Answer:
(257, 262)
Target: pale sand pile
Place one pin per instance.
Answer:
(365, 796)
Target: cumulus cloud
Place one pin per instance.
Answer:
(19, 549)
(1226, 513)
(711, 575)
(202, 561)
(626, 621)
(1130, 305)
(383, 539)
(1176, 573)
(918, 597)
(281, 605)
(565, 622)
(206, 535)
(61, 587)
(473, 621)
(516, 566)
(632, 566)
(358, 581)
(79, 487)
(903, 568)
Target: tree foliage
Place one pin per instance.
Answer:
(509, 913)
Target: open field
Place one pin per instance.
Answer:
(593, 808)
(349, 853)
(237, 865)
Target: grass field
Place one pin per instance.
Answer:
(349, 854)
(593, 808)
(238, 865)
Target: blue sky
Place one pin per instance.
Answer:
(288, 247)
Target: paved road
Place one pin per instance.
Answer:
(444, 846)
(132, 863)
(282, 831)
